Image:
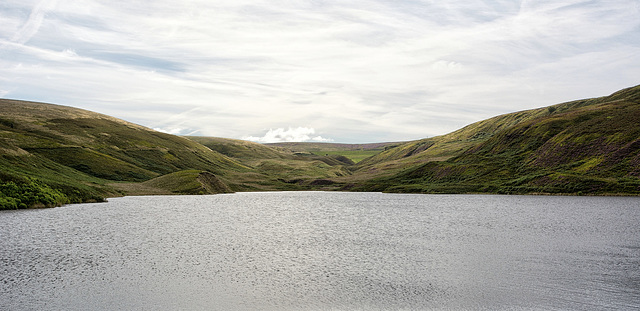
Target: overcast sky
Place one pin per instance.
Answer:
(317, 70)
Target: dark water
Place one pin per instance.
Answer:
(324, 251)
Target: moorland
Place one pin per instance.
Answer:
(52, 155)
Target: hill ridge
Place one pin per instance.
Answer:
(52, 155)
(587, 146)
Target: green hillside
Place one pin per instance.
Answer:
(277, 168)
(79, 154)
(182, 182)
(441, 148)
(354, 152)
(52, 155)
(239, 149)
(581, 147)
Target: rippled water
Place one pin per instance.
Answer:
(324, 251)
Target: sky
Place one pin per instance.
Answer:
(355, 71)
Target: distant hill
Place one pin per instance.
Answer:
(314, 146)
(354, 152)
(239, 149)
(280, 168)
(52, 155)
(581, 147)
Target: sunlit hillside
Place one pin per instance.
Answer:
(586, 146)
(52, 155)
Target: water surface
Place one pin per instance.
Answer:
(324, 251)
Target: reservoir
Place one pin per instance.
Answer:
(324, 251)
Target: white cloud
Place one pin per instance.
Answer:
(362, 70)
(299, 134)
(33, 23)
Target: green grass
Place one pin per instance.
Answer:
(276, 167)
(592, 147)
(240, 150)
(354, 152)
(182, 182)
(52, 155)
(353, 155)
(79, 153)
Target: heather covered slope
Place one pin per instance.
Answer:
(276, 168)
(444, 147)
(52, 155)
(100, 145)
(354, 152)
(581, 147)
(77, 153)
(251, 153)
(241, 150)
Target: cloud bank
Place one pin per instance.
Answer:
(358, 71)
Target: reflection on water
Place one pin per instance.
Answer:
(324, 251)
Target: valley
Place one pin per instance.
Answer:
(52, 155)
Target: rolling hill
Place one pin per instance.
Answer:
(80, 155)
(52, 155)
(278, 168)
(354, 152)
(580, 147)
(444, 147)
